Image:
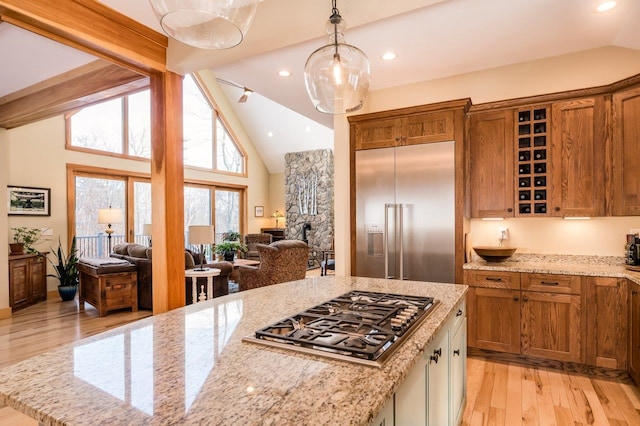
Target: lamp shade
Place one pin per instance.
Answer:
(201, 234)
(210, 24)
(110, 216)
(146, 229)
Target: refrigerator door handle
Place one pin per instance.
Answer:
(386, 239)
(401, 232)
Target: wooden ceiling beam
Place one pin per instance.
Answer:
(93, 27)
(91, 83)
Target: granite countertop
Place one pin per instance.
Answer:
(189, 366)
(597, 266)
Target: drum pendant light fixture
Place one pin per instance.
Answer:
(337, 75)
(207, 24)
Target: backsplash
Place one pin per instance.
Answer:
(561, 258)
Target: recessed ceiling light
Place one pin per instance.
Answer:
(270, 134)
(607, 5)
(308, 129)
(284, 73)
(389, 56)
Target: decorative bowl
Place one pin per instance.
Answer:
(495, 254)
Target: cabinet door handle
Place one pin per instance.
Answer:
(459, 312)
(525, 298)
(557, 209)
(634, 292)
(494, 279)
(516, 298)
(456, 352)
(549, 283)
(509, 209)
(434, 358)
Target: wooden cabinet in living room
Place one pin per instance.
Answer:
(577, 156)
(607, 305)
(626, 153)
(27, 280)
(491, 164)
(634, 332)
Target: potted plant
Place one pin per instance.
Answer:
(231, 236)
(66, 268)
(23, 239)
(229, 249)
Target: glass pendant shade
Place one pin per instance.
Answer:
(337, 75)
(207, 24)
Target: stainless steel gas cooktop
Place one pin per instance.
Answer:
(359, 326)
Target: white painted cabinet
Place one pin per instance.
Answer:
(385, 418)
(434, 393)
(458, 373)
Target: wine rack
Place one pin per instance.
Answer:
(531, 162)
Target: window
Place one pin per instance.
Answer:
(93, 189)
(123, 126)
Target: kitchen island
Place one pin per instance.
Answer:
(190, 365)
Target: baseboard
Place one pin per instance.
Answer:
(52, 294)
(5, 313)
(571, 367)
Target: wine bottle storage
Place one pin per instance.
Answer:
(531, 138)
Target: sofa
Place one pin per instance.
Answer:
(252, 240)
(141, 256)
(281, 261)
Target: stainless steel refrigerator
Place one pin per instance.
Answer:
(405, 205)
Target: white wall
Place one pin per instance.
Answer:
(35, 156)
(574, 71)
(4, 227)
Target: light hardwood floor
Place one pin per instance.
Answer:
(498, 393)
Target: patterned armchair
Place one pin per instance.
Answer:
(251, 240)
(281, 261)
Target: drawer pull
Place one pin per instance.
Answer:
(516, 298)
(437, 353)
(634, 292)
(525, 298)
(549, 283)
(456, 352)
(494, 279)
(459, 312)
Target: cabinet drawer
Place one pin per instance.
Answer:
(459, 316)
(118, 280)
(551, 283)
(493, 279)
(119, 295)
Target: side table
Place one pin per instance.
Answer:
(108, 287)
(194, 274)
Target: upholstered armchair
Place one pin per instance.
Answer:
(251, 240)
(281, 261)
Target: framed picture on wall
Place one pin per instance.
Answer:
(259, 211)
(28, 201)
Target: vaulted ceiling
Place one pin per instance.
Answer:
(431, 38)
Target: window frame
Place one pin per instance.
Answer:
(215, 114)
(129, 178)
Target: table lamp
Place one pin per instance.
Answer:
(201, 235)
(277, 215)
(146, 231)
(109, 217)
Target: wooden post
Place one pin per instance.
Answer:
(167, 192)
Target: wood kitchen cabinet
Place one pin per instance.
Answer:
(27, 280)
(493, 304)
(491, 164)
(577, 156)
(634, 332)
(539, 315)
(411, 129)
(606, 322)
(626, 153)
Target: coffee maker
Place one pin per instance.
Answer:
(632, 250)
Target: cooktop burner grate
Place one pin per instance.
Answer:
(359, 326)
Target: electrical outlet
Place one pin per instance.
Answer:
(503, 233)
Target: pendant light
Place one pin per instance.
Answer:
(207, 24)
(337, 75)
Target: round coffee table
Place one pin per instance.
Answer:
(194, 274)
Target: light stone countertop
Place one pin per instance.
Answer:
(596, 266)
(189, 366)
